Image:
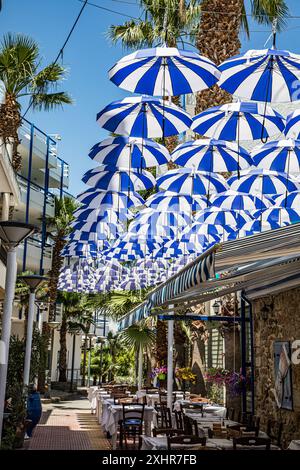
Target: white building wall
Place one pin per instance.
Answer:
(77, 356)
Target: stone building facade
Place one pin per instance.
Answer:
(276, 317)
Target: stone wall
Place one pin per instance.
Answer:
(282, 323)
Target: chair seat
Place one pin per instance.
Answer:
(132, 422)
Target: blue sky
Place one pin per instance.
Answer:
(88, 57)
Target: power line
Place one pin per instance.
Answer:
(110, 10)
(61, 50)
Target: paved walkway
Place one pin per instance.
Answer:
(68, 426)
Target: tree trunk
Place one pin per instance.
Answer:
(232, 361)
(84, 361)
(63, 350)
(57, 262)
(161, 351)
(218, 39)
(198, 366)
(10, 122)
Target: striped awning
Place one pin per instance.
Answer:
(196, 272)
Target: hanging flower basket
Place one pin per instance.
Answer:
(159, 372)
(161, 376)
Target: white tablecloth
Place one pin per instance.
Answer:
(294, 445)
(112, 414)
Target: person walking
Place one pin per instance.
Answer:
(34, 410)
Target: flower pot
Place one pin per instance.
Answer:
(161, 376)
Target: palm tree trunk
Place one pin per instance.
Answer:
(218, 39)
(84, 361)
(10, 122)
(57, 262)
(63, 350)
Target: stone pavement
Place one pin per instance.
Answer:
(68, 425)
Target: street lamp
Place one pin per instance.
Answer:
(74, 332)
(11, 235)
(32, 281)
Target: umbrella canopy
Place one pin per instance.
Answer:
(291, 200)
(187, 181)
(155, 217)
(143, 116)
(129, 152)
(167, 201)
(119, 179)
(211, 155)
(229, 218)
(292, 128)
(94, 231)
(262, 75)
(96, 199)
(233, 200)
(164, 71)
(278, 155)
(149, 231)
(80, 249)
(205, 234)
(99, 215)
(239, 121)
(263, 182)
(279, 215)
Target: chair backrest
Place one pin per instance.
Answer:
(178, 419)
(134, 411)
(252, 441)
(192, 406)
(163, 398)
(186, 440)
(119, 396)
(190, 426)
(230, 413)
(274, 431)
(163, 416)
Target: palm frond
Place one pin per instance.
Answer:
(265, 11)
(137, 336)
(49, 101)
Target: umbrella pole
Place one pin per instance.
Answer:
(238, 142)
(270, 66)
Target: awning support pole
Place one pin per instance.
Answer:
(243, 353)
(170, 362)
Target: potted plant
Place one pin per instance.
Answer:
(159, 373)
(185, 376)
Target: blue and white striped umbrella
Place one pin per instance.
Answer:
(164, 71)
(290, 200)
(95, 198)
(150, 231)
(211, 155)
(119, 179)
(205, 234)
(80, 249)
(187, 181)
(233, 200)
(152, 263)
(257, 226)
(263, 182)
(168, 219)
(229, 218)
(278, 155)
(131, 152)
(88, 214)
(262, 75)
(130, 284)
(179, 248)
(279, 215)
(166, 201)
(144, 116)
(292, 128)
(94, 231)
(239, 121)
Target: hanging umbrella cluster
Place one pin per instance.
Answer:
(135, 243)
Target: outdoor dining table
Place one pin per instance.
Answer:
(161, 443)
(101, 397)
(112, 414)
(294, 445)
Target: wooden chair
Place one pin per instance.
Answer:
(178, 419)
(167, 432)
(190, 426)
(163, 398)
(185, 440)
(251, 441)
(274, 431)
(163, 416)
(119, 396)
(192, 407)
(239, 430)
(131, 424)
(230, 414)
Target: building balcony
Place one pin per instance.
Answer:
(36, 203)
(34, 254)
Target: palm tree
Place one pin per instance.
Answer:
(138, 337)
(218, 35)
(73, 306)
(165, 22)
(21, 77)
(59, 227)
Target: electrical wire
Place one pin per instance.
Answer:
(61, 50)
(110, 10)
